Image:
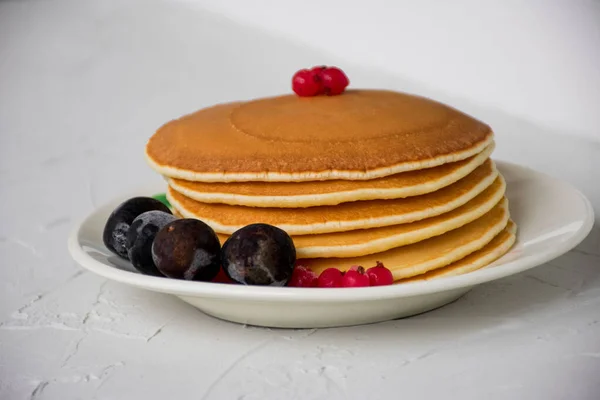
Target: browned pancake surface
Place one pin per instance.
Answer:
(226, 218)
(492, 251)
(361, 131)
(421, 181)
(367, 241)
(419, 258)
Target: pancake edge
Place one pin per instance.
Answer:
(480, 263)
(190, 175)
(440, 260)
(334, 198)
(394, 241)
(340, 226)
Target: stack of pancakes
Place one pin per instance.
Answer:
(354, 179)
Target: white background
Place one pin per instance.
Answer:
(537, 59)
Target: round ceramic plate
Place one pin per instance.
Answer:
(551, 216)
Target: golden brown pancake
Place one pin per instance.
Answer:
(224, 218)
(427, 255)
(321, 193)
(492, 251)
(375, 240)
(360, 135)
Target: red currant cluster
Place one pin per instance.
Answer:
(319, 80)
(356, 276)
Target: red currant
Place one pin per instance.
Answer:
(222, 277)
(303, 277)
(318, 70)
(307, 83)
(334, 81)
(380, 275)
(331, 277)
(355, 278)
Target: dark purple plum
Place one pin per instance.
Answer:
(259, 254)
(119, 221)
(140, 236)
(187, 249)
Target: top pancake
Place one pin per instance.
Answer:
(359, 135)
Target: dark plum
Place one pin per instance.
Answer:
(140, 236)
(187, 249)
(119, 221)
(259, 254)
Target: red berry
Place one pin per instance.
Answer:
(222, 277)
(380, 275)
(306, 83)
(331, 277)
(355, 278)
(318, 70)
(303, 277)
(334, 81)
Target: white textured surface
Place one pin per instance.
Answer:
(81, 89)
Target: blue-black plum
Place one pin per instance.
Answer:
(259, 254)
(119, 221)
(140, 237)
(187, 249)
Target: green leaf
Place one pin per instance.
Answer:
(162, 197)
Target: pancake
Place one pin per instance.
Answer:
(368, 241)
(321, 193)
(492, 251)
(360, 135)
(437, 252)
(225, 218)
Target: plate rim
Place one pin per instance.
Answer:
(293, 294)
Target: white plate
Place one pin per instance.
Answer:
(551, 216)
